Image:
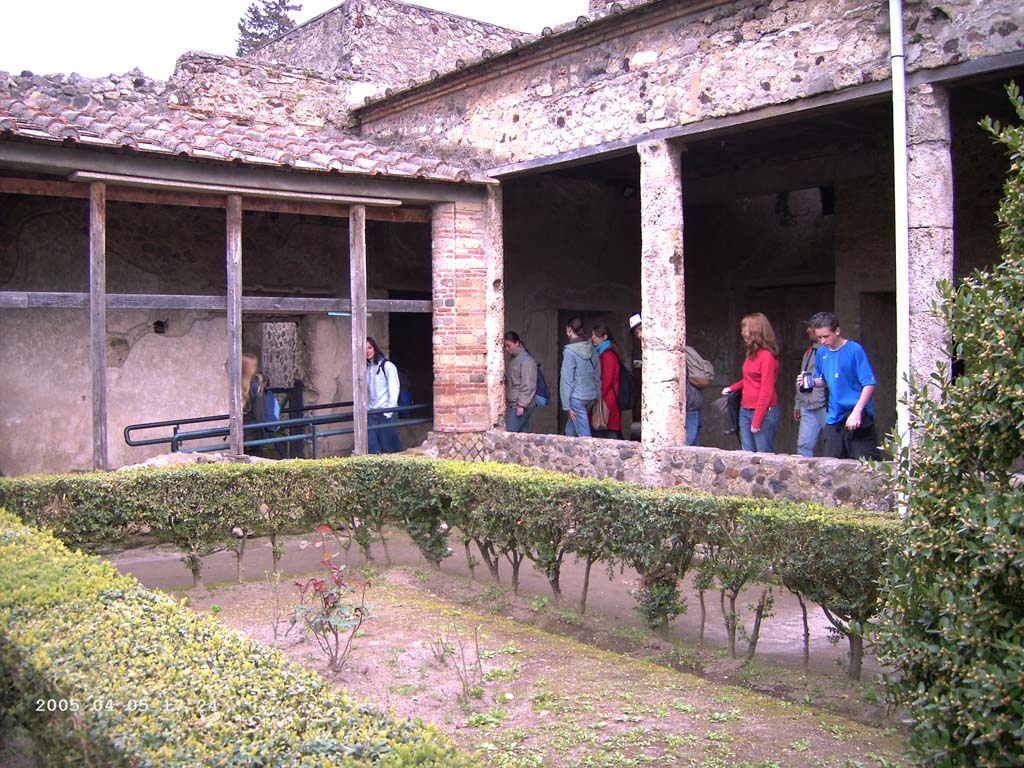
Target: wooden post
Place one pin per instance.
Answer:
(234, 312)
(98, 320)
(357, 288)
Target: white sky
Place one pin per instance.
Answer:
(105, 37)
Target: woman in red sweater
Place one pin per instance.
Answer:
(608, 354)
(759, 405)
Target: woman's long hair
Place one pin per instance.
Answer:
(761, 334)
(602, 331)
(377, 354)
(250, 369)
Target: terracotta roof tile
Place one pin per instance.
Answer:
(69, 109)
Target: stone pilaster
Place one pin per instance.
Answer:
(930, 190)
(494, 253)
(661, 217)
(460, 295)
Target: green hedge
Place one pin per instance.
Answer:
(102, 671)
(512, 512)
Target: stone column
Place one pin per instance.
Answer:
(661, 285)
(494, 253)
(930, 190)
(460, 299)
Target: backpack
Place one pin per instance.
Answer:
(404, 391)
(543, 395)
(625, 398)
(264, 407)
(404, 386)
(271, 408)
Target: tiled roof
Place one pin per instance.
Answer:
(143, 118)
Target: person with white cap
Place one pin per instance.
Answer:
(698, 374)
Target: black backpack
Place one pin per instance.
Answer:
(626, 396)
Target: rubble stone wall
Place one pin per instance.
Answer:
(665, 64)
(385, 44)
(832, 482)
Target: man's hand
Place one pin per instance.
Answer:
(853, 420)
(519, 410)
(796, 414)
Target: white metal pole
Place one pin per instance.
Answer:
(899, 153)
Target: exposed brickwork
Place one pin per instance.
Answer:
(460, 312)
(664, 64)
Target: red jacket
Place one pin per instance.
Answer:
(610, 387)
(758, 385)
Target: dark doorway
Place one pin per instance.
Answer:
(410, 347)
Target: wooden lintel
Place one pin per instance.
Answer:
(19, 186)
(292, 305)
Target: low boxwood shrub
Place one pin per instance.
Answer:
(101, 671)
(510, 512)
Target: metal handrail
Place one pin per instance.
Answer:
(175, 423)
(296, 428)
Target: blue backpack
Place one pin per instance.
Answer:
(543, 394)
(271, 408)
(268, 404)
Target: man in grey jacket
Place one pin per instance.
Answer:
(810, 407)
(520, 385)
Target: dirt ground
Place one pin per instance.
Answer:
(528, 683)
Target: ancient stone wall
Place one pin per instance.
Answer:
(833, 482)
(258, 91)
(664, 64)
(384, 44)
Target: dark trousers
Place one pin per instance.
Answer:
(843, 443)
(383, 440)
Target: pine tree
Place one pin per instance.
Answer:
(263, 21)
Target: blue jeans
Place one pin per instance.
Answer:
(693, 425)
(515, 423)
(580, 427)
(383, 440)
(811, 422)
(763, 441)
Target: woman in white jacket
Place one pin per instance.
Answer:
(382, 390)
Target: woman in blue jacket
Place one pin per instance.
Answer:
(579, 382)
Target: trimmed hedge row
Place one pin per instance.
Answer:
(103, 672)
(516, 513)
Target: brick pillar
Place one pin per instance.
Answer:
(930, 189)
(494, 252)
(661, 285)
(458, 237)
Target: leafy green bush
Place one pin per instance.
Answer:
(101, 671)
(954, 593)
(509, 511)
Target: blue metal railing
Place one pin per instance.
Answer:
(293, 430)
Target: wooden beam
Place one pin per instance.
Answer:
(55, 159)
(98, 321)
(18, 186)
(234, 312)
(198, 187)
(357, 289)
(287, 305)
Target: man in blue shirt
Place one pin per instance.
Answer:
(843, 366)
